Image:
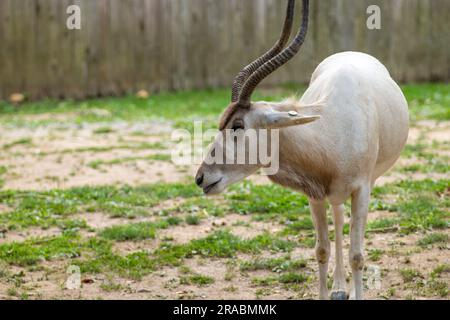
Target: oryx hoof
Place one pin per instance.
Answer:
(339, 295)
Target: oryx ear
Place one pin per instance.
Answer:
(281, 119)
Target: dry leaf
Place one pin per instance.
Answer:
(16, 98)
(143, 94)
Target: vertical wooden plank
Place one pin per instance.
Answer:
(5, 38)
(80, 54)
(438, 41)
(42, 52)
(157, 46)
(359, 25)
(303, 65)
(63, 54)
(97, 19)
(91, 53)
(408, 27)
(198, 46)
(53, 45)
(222, 41)
(322, 22)
(176, 70)
(17, 54)
(164, 38)
(237, 47)
(153, 45)
(105, 49)
(118, 56)
(27, 49)
(140, 44)
(133, 43)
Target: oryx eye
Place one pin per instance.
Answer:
(238, 124)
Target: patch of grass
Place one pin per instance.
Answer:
(193, 219)
(292, 278)
(199, 206)
(196, 104)
(274, 264)
(416, 149)
(422, 212)
(230, 289)
(429, 163)
(22, 141)
(410, 275)
(375, 254)
(421, 204)
(52, 208)
(103, 130)
(96, 164)
(225, 244)
(428, 101)
(412, 186)
(381, 225)
(42, 212)
(416, 167)
(308, 240)
(101, 258)
(286, 278)
(111, 286)
(128, 146)
(268, 201)
(438, 287)
(433, 238)
(294, 227)
(33, 251)
(160, 157)
(118, 200)
(432, 286)
(12, 292)
(222, 244)
(3, 171)
(428, 160)
(184, 269)
(137, 231)
(264, 281)
(439, 270)
(197, 279)
(219, 244)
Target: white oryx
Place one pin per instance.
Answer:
(357, 126)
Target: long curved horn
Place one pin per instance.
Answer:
(276, 62)
(279, 45)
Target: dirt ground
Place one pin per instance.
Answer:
(64, 157)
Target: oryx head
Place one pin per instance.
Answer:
(245, 124)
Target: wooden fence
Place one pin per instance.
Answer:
(127, 45)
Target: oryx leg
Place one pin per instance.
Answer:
(338, 291)
(360, 208)
(319, 215)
